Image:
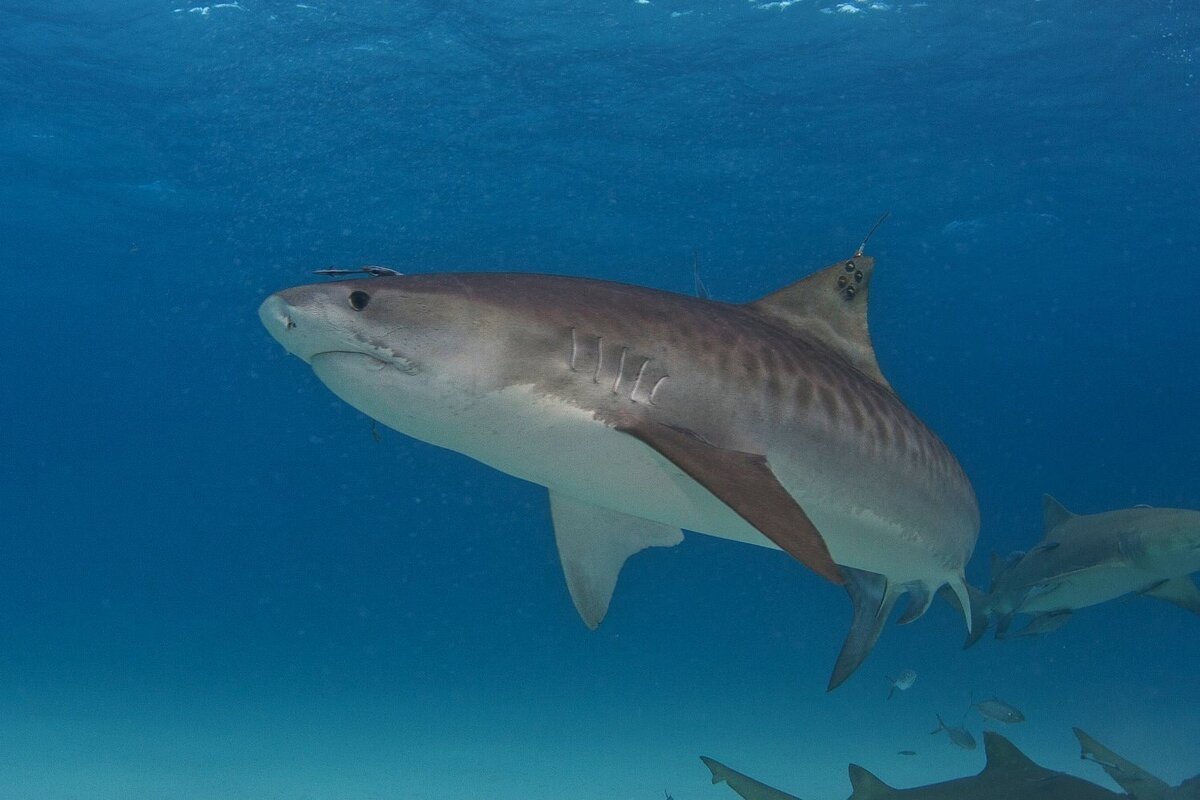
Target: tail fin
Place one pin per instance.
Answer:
(941, 725)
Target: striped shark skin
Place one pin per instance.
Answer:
(647, 412)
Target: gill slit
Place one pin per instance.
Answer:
(638, 382)
(574, 348)
(599, 358)
(654, 391)
(620, 370)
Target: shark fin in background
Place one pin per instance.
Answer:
(831, 306)
(1129, 776)
(1179, 591)
(873, 600)
(719, 771)
(1003, 758)
(865, 786)
(745, 483)
(1054, 513)
(593, 544)
(744, 785)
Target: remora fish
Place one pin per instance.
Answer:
(1088, 559)
(645, 412)
(1008, 775)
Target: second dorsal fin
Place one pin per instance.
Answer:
(831, 306)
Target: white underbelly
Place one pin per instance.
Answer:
(555, 444)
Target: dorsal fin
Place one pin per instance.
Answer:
(865, 786)
(831, 306)
(1054, 513)
(1004, 757)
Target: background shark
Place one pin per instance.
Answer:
(1133, 779)
(1008, 775)
(1085, 559)
(646, 412)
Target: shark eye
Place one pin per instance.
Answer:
(359, 300)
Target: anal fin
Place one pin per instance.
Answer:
(593, 545)
(745, 483)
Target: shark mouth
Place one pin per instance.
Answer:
(379, 356)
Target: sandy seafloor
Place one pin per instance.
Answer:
(622, 713)
(214, 581)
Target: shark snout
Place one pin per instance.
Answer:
(312, 321)
(296, 326)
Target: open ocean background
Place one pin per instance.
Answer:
(215, 583)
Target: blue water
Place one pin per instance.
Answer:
(216, 583)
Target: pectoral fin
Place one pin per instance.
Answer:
(745, 786)
(1180, 591)
(1132, 778)
(593, 544)
(745, 483)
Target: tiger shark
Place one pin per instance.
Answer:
(1087, 559)
(646, 412)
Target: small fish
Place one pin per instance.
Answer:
(999, 711)
(905, 680)
(960, 737)
(906, 752)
